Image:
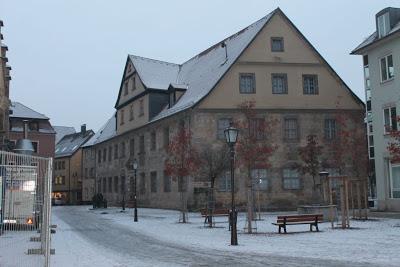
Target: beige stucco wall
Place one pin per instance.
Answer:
(131, 93)
(138, 120)
(297, 59)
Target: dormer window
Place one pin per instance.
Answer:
(383, 23)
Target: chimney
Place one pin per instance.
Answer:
(83, 128)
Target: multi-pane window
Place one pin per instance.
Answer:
(141, 107)
(110, 184)
(153, 140)
(116, 184)
(279, 83)
(132, 147)
(395, 182)
(222, 125)
(166, 137)
(291, 179)
(291, 129)
(310, 84)
(141, 144)
(115, 151)
(247, 83)
(153, 182)
(131, 112)
(60, 180)
(167, 183)
(383, 25)
(259, 178)
(109, 153)
(121, 112)
(142, 185)
(224, 182)
(104, 154)
(387, 69)
(330, 129)
(123, 150)
(390, 119)
(277, 44)
(257, 128)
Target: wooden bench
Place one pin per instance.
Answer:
(311, 219)
(219, 212)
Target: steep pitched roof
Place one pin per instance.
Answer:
(62, 131)
(201, 73)
(106, 132)
(19, 110)
(70, 143)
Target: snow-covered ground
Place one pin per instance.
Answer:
(373, 241)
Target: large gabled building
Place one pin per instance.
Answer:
(381, 64)
(269, 62)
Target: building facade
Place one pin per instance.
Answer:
(269, 63)
(40, 131)
(381, 59)
(67, 168)
(5, 78)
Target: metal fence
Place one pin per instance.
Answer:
(25, 203)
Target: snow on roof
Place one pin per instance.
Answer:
(155, 74)
(374, 37)
(200, 74)
(21, 111)
(106, 132)
(62, 131)
(71, 142)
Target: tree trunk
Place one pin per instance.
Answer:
(250, 209)
(182, 189)
(211, 203)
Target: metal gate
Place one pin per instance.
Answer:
(25, 210)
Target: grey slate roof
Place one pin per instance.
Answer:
(70, 143)
(199, 74)
(374, 38)
(62, 131)
(21, 111)
(104, 133)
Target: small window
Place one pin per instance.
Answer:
(116, 151)
(133, 83)
(104, 185)
(330, 129)
(247, 83)
(142, 188)
(110, 185)
(63, 165)
(222, 125)
(387, 70)
(390, 119)
(291, 129)
(395, 182)
(383, 25)
(116, 184)
(153, 140)
(257, 127)
(126, 88)
(132, 147)
(121, 117)
(166, 137)
(141, 108)
(224, 182)
(123, 189)
(291, 179)
(35, 145)
(259, 179)
(310, 84)
(141, 145)
(122, 150)
(167, 183)
(99, 156)
(109, 153)
(279, 83)
(153, 182)
(365, 60)
(277, 44)
(131, 113)
(33, 126)
(104, 154)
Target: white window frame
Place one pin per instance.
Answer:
(386, 68)
(383, 19)
(391, 181)
(390, 125)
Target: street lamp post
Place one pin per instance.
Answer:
(231, 134)
(135, 166)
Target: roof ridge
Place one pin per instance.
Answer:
(156, 60)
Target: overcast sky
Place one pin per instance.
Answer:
(68, 56)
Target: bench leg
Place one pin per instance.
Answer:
(311, 227)
(316, 227)
(284, 228)
(280, 229)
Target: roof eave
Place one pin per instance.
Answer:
(363, 49)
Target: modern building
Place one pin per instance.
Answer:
(40, 131)
(67, 167)
(4, 92)
(381, 63)
(269, 62)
